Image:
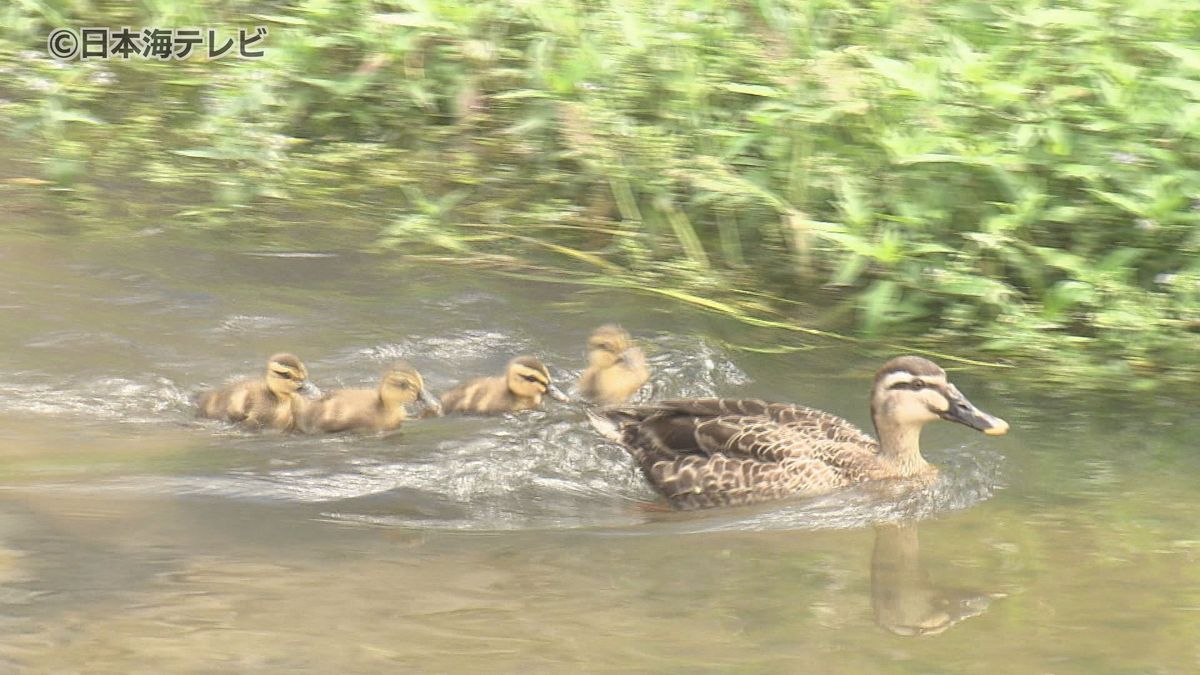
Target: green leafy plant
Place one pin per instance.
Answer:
(1014, 179)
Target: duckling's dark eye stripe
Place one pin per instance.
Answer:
(284, 375)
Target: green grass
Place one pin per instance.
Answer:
(1019, 181)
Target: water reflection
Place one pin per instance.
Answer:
(903, 598)
(173, 585)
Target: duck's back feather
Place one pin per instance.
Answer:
(711, 452)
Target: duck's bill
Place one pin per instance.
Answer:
(309, 390)
(964, 412)
(430, 402)
(557, 394)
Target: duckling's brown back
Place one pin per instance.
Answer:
(211, 403)
(247, 402)
(482, 396)
(350, 409)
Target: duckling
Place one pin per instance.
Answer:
(522, 386)
(616, 367)
(379, 409)
(721, 452)
(274, 401)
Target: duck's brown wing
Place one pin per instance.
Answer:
(747, 428)
(713, 452)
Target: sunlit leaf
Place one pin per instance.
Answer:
(281, 19)
(751, 89)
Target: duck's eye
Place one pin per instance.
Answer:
(530, 378)
(286, 376)
(917, 384)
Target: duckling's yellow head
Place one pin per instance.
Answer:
(528, 378)
(910, 391)
(607, 345)
(286, 376)
(402, 384)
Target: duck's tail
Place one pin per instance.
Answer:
(605, 424)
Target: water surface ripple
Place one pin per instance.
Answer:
(543, 469)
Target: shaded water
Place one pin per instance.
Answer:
(134, 537)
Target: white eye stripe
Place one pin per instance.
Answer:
(892, 379)
(904, 377)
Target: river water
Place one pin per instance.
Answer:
(135, 538)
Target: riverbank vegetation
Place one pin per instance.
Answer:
(1016, 181)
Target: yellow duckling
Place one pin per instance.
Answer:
(521, 387)
(616, 367)
(379, 409)
(275, 401)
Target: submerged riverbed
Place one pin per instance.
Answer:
(135, 537)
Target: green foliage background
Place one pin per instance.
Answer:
(1014, 180)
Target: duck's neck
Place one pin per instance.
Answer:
(900, 447)
(384, 403)
(389, 411)
(389, 415)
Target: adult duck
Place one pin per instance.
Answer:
(722, 452)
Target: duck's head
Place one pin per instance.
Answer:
(287, 376)
(402, 384)
(608, 346)
(528, 378)
(910, 391)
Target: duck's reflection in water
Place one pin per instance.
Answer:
(903, 598)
